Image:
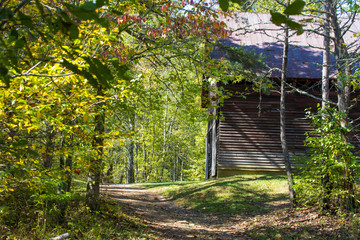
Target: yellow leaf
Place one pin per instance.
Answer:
(11, 190)
(85, 117)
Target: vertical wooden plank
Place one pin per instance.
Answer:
(213, 149)
(208, 150)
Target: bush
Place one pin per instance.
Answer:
(327, 173)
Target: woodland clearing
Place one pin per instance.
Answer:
(173, 210)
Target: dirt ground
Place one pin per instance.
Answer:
(167, 220)
(170, 221)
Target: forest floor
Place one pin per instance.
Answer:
(169, 220)
(166, 219)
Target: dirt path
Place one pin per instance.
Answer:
(171, 221)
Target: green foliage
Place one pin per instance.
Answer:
(164, 120)
(242, 65)
(328, 173)
(66, 67)
(111, 221)
(224, 5)
(295, 8)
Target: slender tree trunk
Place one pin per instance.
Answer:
(283, 120)
(155, 169)
(64, 186)
(49, 146)
(145, 167)
(136, 162)
(343, 93)
(66, 165)
(208, 150)
(130, 170)
(325, 90)
(94, 175)
(164, 154)
(182, 170)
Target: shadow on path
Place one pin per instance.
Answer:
(170, 221)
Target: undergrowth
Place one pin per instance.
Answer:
(111, 221)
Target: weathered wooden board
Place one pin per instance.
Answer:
(248, 137)
(249, 132)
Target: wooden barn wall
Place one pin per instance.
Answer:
(249, 134)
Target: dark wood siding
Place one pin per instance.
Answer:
(249, 133)
(249, 130)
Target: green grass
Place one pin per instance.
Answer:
(238, 194)
(263, 202)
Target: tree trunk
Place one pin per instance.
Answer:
(283, 120)
(325, 90)
(64, 186)
(343, 93)
(130, 177)
(325, 98)
(49, 147)
(182, 170)
(208, 150)
(136, 162)
(94, 175)
(145, 163)
(66, 165)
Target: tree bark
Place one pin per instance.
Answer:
(94, 175)
(130, 177)
(325, 90)
(325, 179)
(49, 147)
(343, 92)
(283, 119)
(145, 163)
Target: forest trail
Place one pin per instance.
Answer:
(170, 221)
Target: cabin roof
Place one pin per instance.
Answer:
(254, 31)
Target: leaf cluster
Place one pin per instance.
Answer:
(330, 157)
(295, 8)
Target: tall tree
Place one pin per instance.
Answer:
(47, 45)
(95, 166)
(283, 116)
(333, 160)
(325, 91)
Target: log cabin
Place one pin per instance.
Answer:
(245, 135)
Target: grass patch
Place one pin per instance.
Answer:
(238, 194)
(262, 201)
